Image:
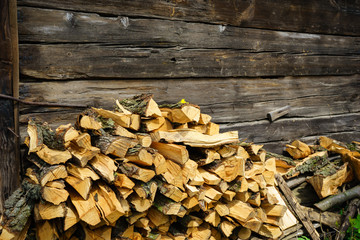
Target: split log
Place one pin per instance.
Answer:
(176, 153)
(139, 156)
(195, 139)
(298, 149)
(54, 195)
(104, 166)
(82, 155)
(119, 118)
(133, 171)
(117, 146)
(143, 105)
(52, 173)
(81, 172)
(52, 156)
(48, 211)
(240, 211)
(228, 168)
(82, 186)
(331, 201)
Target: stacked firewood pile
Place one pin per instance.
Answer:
(144, 172)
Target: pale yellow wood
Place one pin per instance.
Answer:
(141, 158)
(255, 199)
(123, 132)
(254, 224)
(104, 166)
(176, 153)
(244, 233)
(298, 149)
(47, 211)
(52, 156)
(152, 109)
(194, 138)
(159, 163)
(53, 173)
(173, 174)
(122, 119)
(71, 217)
(240, 211)
(90, 123)
(213, 218)
(54, 195)
(270, 165)
(190, 202)
(46, 231)
(204, 118)
(157, 217)
(81, 172)
(270, 231)
(222, 209)
(82, 186)
(212, 129)
(82, 155)
(209, 178)
(153, 124)
(229, 168)
(137, 172)
(144, 139)
(122, 181)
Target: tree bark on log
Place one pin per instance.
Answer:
(339, 198)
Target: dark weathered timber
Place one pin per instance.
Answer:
(296, 207)
(70, 61)
(54, 26)
(295, 128)
(332, 17)
(228, 100)
(9, 170)
(350, 213)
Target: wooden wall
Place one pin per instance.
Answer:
(237, 59)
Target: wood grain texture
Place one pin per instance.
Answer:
(331, 17)
(70, 61)
(9, 170)
(228, 100)
(56, 26)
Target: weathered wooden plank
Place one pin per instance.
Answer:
(332, 17)
(54, 26)
(9, 170)
(69, 61)
(227, 100)
(295, 128)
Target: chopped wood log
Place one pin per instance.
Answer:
(354, 162)
(350, 213)
(190, 202)
(253, 168)
(68, 132)
(227, 228)
(173, 174)
(35, 137)
(168, 206)
(176, 153)
(122, 181)
(189, 174)
(211, 193)
(54, 195)
(209, 178)
(157, 217)
(296, 207)
(143, 105)
(259, 157)
(211, 156)
(255, 199)
(81, 172)
(227, 151)
(331, 201)
(270, 231)
(86, 209)
(52, 156)
(222, 209)
(147, 190)
(133, 171)
(108, 204)
(229, 195)
(89, 122)
(46, 230)
(47, 211)
(140, 156)
(102, 233)
(198, 127)
(153, 124)
(274, 210)
(212, 129)
(159, 163)
(260, 180)
(269, 178)
(121, 119)
(326, 182)
(298, 149)
(144, 139)
(117, 146)
(52, 173)
(123, 132)
(171, 191)
(82, 155)
(240, 211)
(185, 114)
(212, 217)
(104, 166)
(71, 217)
(82, 186)
(195, 139)
(204, 118)
(244, 233)
(254, 224)
(229, 169)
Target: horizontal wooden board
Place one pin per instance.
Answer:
(295, 128)
(56, 26)
(322, 16)
(228, 100)
(69, 61)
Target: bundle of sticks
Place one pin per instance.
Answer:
(144, 171)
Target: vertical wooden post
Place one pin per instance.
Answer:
(9, 164)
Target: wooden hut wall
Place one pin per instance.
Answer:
(237, 60)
